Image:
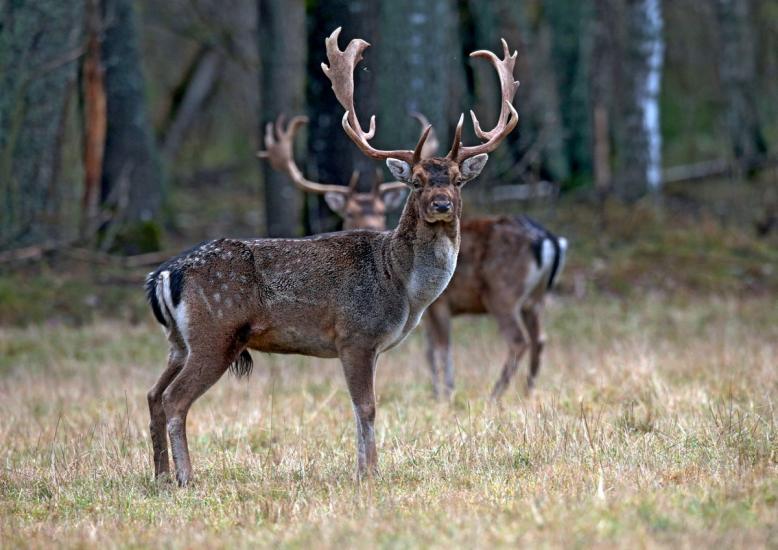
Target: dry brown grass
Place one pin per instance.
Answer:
(654, 425)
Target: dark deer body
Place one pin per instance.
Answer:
(350, 295)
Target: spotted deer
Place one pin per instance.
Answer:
(350, 295)
(506, 264)
(506, 267)
(358, 210)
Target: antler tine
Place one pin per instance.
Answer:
(353, 181)
(377, 181)
(431, 145)
(508, 118)
(341, 73)
(454, 152)
(279, 143)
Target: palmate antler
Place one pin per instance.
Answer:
(341, 73)
(279, 142)
(508, 116)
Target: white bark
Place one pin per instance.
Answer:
(649, 92)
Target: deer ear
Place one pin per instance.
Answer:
(471, 167)
(393, 199)
(336, 202)
(400, 169)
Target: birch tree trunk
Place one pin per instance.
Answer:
(640, 140)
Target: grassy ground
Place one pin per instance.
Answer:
(654, 424)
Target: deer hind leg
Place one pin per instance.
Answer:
(203, 367)
(359, 370)
(157, 430)
(515, 334)
(533, 321)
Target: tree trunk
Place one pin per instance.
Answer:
(331, 156)
(601, 86)
(540, 133)
(281, 42)
(94, 116)
(132, 173)
(40, 42)
(419, 70)
(640, 169)
(737, 70)
(571, 45)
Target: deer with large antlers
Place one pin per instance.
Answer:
(350, 295)
(506, 265)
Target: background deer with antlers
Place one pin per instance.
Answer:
(351, 295)
(358, 210)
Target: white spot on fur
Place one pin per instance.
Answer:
(201, 292)
(217, 297)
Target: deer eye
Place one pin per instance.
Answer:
(416, 183)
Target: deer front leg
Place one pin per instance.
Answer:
(359, 370)
(438, 325)
(432, 358)
(157, 431)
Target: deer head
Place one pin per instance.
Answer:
(359, 210)
(436, 182)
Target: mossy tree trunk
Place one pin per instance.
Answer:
(40, 42)
(132, 179)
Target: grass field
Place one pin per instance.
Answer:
(654, 424)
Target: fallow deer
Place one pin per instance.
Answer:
(350, 295)
(505, 268)
(358, 210)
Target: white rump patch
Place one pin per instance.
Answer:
(180, 319)
(547, 254)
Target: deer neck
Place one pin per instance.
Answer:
(423, 255)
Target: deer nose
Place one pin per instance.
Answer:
(442, 206)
